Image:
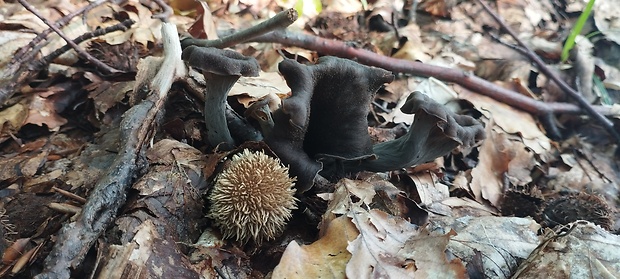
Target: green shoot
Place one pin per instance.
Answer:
(581, 21)
(315, 5)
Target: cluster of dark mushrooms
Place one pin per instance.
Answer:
(321, 130)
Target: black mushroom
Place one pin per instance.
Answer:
(435, 132)
(322, 129)
(291, 123)
(343, 91)
(221, 69)
(326, 114)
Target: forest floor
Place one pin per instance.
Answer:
(504, 161)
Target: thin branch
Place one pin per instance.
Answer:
(20, 55)
(543, 110)
(23, 72)
(280, 21)
(121, 26)
(606, 123)
(81, 52)
(166, 11)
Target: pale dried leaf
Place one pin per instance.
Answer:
(43, 111)
(325, 258)
(511, 120)
(340, 200)
(257, 87)
(375, 252)
(428, 252)
(588, 251)
(607, 20)
(468, 207)
(431, 191)
(496, 153)
(502, 241)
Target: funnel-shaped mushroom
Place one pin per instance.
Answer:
(435, 132)
(291, 123)
(221, 69)
(326, 114)
(343, 91)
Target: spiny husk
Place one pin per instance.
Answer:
(252, 198)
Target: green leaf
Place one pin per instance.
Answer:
(364, 4)
(299, 7)
(316, 5)
(581, 21)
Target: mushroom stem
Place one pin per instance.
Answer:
(216, 92)
(221, 69)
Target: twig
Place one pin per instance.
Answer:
(121, 26)
(281, 20)
(81, 52)
(23, 72)
(607, 124)
(543, 110)
(166, 11)
(19, 55)
(69, 195)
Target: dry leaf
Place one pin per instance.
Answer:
(428, 253)
(501, 241)
(585, 251)
(325, 258)
(376, 251)
(511, 120)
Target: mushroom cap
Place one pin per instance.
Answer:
(252, 198)
(221, 61)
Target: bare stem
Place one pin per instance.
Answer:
(166, 11)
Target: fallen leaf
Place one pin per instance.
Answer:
(428, 253)
(324, 258)
(582, 251)
(376, 251)
(511, 120)
(501, 241)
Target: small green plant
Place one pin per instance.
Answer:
(364, 4)
(581, 21)
(316, 5)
